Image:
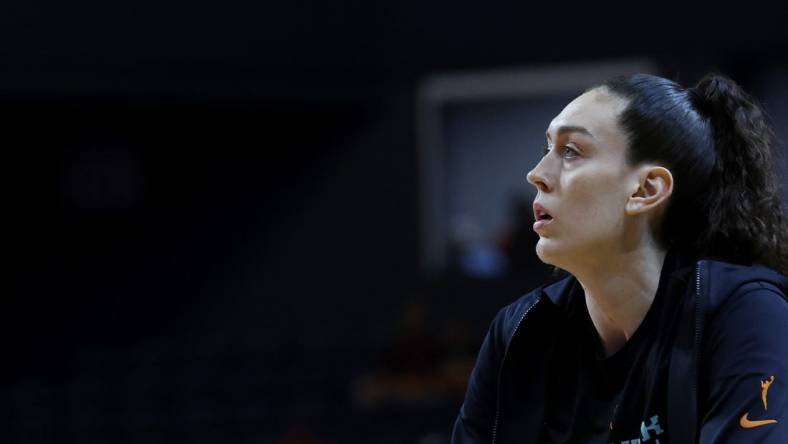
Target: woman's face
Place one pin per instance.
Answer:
(584, 182)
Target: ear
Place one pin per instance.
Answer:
(654, 187)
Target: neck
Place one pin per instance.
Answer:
(619, 291)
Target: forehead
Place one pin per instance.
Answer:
(597, 111)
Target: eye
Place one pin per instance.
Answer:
(567, 151)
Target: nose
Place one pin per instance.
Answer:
(536, 178)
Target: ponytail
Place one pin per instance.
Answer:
(717, 142)
(746, 219)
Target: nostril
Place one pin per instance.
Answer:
(536, 180)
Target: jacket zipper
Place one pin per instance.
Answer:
(500, 370)
(698, 321)
(516, 327)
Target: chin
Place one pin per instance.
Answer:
(545, 251)
(550, 252)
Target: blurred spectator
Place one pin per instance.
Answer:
(471, 253)
(421, 366)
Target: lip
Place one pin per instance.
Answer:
(539, 210)
(538, 225)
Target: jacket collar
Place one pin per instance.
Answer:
(559, 291)
(678, 265)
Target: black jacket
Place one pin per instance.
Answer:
(733, 334)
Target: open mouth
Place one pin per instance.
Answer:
(541, 216)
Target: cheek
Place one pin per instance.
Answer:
(596, 203)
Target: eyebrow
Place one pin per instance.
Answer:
(571, 129)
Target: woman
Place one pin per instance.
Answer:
(671, 325)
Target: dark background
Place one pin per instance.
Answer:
(211, 210)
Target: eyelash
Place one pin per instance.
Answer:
(545, 150)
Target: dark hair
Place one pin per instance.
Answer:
(716, 141)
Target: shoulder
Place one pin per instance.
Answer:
(748, 309)
(744, 351)
(726, 283)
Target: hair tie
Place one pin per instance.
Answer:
(698, 100)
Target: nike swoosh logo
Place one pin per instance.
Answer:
(746, 423)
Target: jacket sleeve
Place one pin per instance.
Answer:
(745, 374)
(474, 424)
